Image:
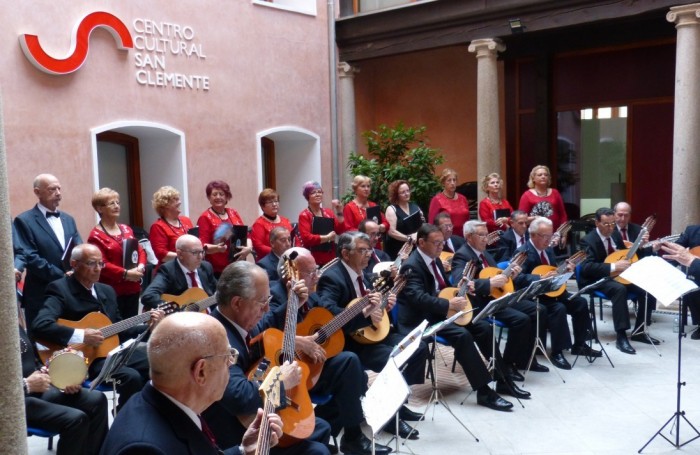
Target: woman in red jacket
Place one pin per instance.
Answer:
(269, 202)
(322, 246)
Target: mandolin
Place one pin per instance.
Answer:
(542, 270)
(372, 334)
(509, 287)
(405, 250)
(561, 232)
(631, 253)
(461, 291)
(270, 393)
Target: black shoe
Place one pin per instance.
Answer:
(514, 375)
(644, 338)
(512, 390)
(410, 416)
(586, 351)
(332, 449)
(536, 366)
(492, 400)
(624, 345)
(696, 334)
(406, 431)
(362, 446)
(559, 361)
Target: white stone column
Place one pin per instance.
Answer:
(488, 119)
(348, 125)
(686, 118)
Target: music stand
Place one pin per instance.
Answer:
(643, 329)
(591, 310)
(535, 289)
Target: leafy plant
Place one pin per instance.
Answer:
(396, 153)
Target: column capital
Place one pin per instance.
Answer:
(347, 70)
(486, 47)
(684, 15)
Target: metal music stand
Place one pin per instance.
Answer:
(591, 309)
(676, 417)
(644, 328)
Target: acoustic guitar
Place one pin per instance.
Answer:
(372, 334)
(542, 270)
(446, 256)
(110, 332)
(270, 393)
(193, 299)
(461, 291)
(509, 287)
(631, 253)
(278, 347)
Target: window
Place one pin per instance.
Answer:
(297, 6)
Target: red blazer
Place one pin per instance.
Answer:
(310, 240)
(163, 236)
(353, 216)
(260, 234)
(112, 255)
(208, 222)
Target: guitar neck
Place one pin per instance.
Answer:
(202, 304)
(265, 434)
(290, 326)
(633, 250)
(120, 326)
(343, 318)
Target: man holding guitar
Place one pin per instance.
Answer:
(598, 245)
(75, 297)
(539, 253)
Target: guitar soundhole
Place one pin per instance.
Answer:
(322, 338)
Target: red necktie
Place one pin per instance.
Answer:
(193, 280)
(207, 432)
(522, 240)
(543, 258)
(484, 262)
(624, 233)
(438, 276)
(611, 250)
(363, 291)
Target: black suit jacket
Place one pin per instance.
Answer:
(482, 287)
(150, 423)
(690, 238)
(633, 231)
(170, 279)
(42, 253)
(594, 267)
(381, 255)
(457, 242)
(68, 299)
(509, 244)
(269, 263)
(335, 290)
(419, 298)
(533, 260)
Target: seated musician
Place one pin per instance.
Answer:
(681, 252)
(77, 414)
(342, 283)
(371, 228)
(419, 300)
(520, 318)
(598, 244)
(540, 253)
(189, 356)
(341, 376)
(74, 297)
(443, 220)
(515, 237)
(280, 240)
(187, 271)
(243, 297)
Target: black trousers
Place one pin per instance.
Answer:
(80, 419)
(132, 377)
(617, 294)
(466, 353)
(520, 320)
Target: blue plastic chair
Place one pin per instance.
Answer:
(33, 431)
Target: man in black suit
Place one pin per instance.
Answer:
(419, 300)
(515, 237)
(520, 318)
(540, 253)
(243, 298)
(371, 228)
(77, 414)
(280, 241)
(598, 244)
(342, 376)
(680, 252)
(185, 272)
(344, 282)
(44, 234)
(190, 358)
(72, 298)
(453, 242)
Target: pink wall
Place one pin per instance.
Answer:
(267, 68)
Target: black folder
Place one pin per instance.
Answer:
(374, 214)
(65, 259)
(239, 239)
(321, 225)
(130, 256)
(500, 213)
(412, 222)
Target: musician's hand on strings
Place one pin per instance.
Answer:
(291, 374)
(498, 281)
(471, 288)
(391, 301)
(250, 437)
(516, 269)
(549, 274)
(678, 253)
(301, 291)
(622, 265)
(93, 337)
(393, 270)
(457, 303)
(570, 266)
(156, 317)
(72, 389)
(308, 346)
(38, 382)
(376, 316)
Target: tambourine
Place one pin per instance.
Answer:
(67, 367)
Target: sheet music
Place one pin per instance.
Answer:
(386, 395)
(409, 345)
(659, 278)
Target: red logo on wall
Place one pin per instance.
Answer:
(79, 44)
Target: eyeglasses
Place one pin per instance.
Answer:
(194, 252)
(481, 236)
(311, 274)
(272, 203)
(437, 243)
(545, 236)
(232, 356)
(113, 204)
(263, 302)
(446, 226)
(363, 250)
(607, 224)
(93, 264)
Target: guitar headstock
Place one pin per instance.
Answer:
(470, 270)
(328, 265)
(493, 237)
(270, 388)
(400, 281)
(168, 307)
(519, 258)
(578, 257)
(382, 283)
(289, 267)
(649, 223)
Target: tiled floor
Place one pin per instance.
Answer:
(598, 410)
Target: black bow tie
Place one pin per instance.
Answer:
(50, 214)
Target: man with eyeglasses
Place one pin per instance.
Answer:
(604, 240)
(44, 234)
(371, 228)
(341, 284)
(187, 271)
(540, 253)
(243, 307)
(190, 359)
(515, 237)
(420, 300)
(341, 376)
(74, 297)
(280, 241)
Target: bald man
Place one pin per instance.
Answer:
(44, 232)
(189, 356)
